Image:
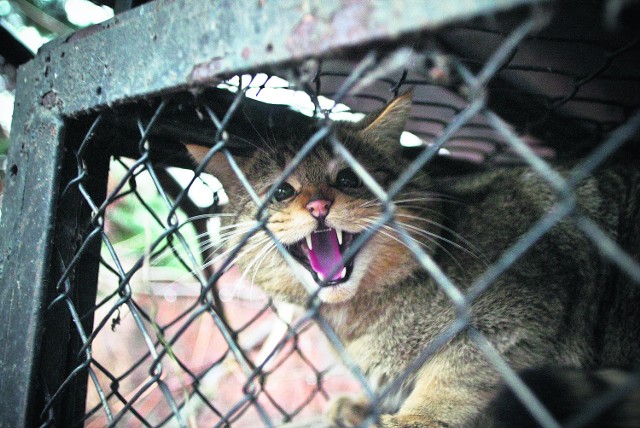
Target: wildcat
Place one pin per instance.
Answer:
(561, 304)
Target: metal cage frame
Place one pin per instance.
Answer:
(77, 86)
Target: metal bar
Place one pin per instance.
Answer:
(25, 237)
(193, 43)
(64, 331)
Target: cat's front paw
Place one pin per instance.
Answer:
(348, 412)
(409, 421)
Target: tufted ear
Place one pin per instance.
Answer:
(387, 124)
(218, 165)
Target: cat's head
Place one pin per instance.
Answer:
(321, 209)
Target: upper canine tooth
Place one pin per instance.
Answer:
(339, 235)
(308, 238)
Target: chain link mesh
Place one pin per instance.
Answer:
(174, 343)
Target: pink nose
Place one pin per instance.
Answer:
(319, 208)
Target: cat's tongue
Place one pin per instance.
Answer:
(325, 256)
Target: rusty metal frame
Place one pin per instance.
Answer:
(154, 49)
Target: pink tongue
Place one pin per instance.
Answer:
(325, 257)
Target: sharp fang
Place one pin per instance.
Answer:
(343, 273)
(308, 237)
(339, 235)
(320, 276)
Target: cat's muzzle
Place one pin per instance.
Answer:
(321, 253)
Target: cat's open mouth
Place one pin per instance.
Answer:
(321, 253)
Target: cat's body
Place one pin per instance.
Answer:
(560, 304)
(602, 398)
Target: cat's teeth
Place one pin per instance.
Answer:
(320, 276)
(308, 237)
(343, 273)
(339, 235)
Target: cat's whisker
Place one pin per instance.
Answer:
(470, 249)
(236, 225)
(254, 261)
(270, 248)
(221, 237)
(217, 258)
(273, 143)
(421, 208)
(244, 226)
(230, 233)
(256, 256)
(448, 201)
(257, 261)
(407, 203)
(265, 141)
(196, 238)
(420, 199)
(250, 246)
(224, 242)
(207, 216)
(215, 245)
(425, 233)
(233, 230)
(224, 238)
(385, 227)
(370, 202)
(224, 255)
(166, 253)
(200, 269)
(432, 239)
(426, 190)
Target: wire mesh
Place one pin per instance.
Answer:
(177, 342)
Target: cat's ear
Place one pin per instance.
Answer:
(218, 165)
(388, 123)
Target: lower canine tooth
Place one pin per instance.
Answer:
(320, 276)
(343, 273)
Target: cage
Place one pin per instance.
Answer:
(121, 305)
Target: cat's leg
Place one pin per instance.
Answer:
(450, 391)
(346, 412)
(409, 421)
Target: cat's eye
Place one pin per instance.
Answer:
(347, 179)
(284, 191)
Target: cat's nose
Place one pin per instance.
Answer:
(319, 208)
